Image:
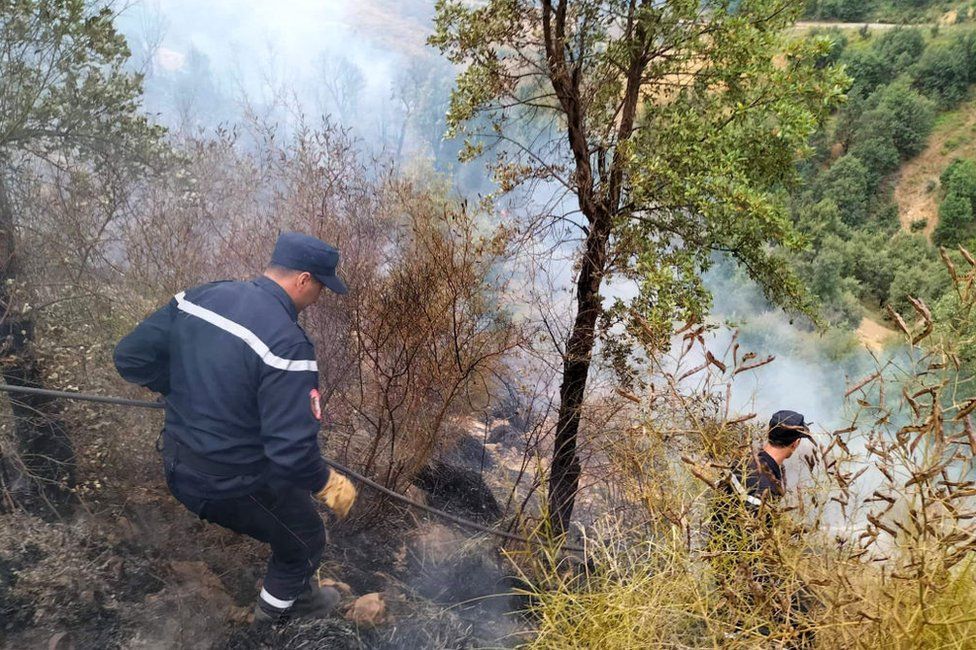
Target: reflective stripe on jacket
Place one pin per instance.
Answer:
(239, 376)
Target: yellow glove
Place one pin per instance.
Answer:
(338, 494)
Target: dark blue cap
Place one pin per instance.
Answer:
(300, 252)
(787, 426)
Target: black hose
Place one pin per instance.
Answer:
(121, 401)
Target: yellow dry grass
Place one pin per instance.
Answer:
(873, 335)
(916, 189)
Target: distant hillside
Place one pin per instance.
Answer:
(941, 12)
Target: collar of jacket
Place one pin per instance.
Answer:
(770, 464)
(278, 292)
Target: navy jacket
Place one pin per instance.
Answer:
(758, 479)
(239, 376)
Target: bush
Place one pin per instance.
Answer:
(845, 10)
(903, 115)
(846, 183)
(902, 47)
(868, 70)
(955, 220)
(922, 280)
(960, 178)
(879, 157)
(943, 72)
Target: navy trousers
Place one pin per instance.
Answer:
(281, 515)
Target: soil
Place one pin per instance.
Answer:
(874, 335)
(917, 186)
(139, 571)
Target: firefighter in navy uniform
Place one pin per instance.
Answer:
(761, 476)
(240, 443)
(742, 522)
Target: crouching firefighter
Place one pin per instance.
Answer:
(240, 443)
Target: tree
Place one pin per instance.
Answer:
(69, 103)
(901, 46)
(955, 220)
(943, 72)
(844, 10)
(960, 178)
(847, 183)
(901, 114)
(673, 126)
(867, 69)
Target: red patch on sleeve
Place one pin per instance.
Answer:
(316, 402)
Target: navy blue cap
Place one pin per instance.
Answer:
(300, 252)
(787, 426)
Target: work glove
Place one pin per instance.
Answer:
(338, 494)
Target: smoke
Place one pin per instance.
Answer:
(364, 65)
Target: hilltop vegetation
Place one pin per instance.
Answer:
(902, 12)
(864, 254)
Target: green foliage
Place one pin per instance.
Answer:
(867, 69)
(943, 72)
(957, 207)
(64, 90)
(955, 220)
(918, 272)
(847, 11)
(706, 169)
(901, 47)
(847, 184)
(902, 115)
(960, 178)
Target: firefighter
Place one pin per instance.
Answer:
(746, 566)
(761, 476)
(240, 442)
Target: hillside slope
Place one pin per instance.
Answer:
(916, 189)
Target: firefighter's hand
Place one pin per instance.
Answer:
(338, 494)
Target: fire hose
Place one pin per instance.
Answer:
(359, 478)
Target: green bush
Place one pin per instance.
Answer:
(960, 178)
(846, 183)
(845, 10)
(955, 220)
(905, 115)
(902, 47)
(879, 157)
(943, 72)
(867, 69)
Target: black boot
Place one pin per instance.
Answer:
(266, 615)
(315, 602)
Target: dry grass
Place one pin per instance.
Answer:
(916, 191)
(874, 548)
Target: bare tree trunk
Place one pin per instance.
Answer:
(43, 473)
(565, 470)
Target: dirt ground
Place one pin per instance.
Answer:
(133, 569)
(917, 187)
(873, 334)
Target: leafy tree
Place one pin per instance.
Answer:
(878, 157)
(67, 101)
(674, 134)
(901, 46)
(943, 72)
(923, 281)
(847, 184)
(960, 178)
(955, 220)
(868, 70)
(844, 10)
(901, 114)
(868, 253)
